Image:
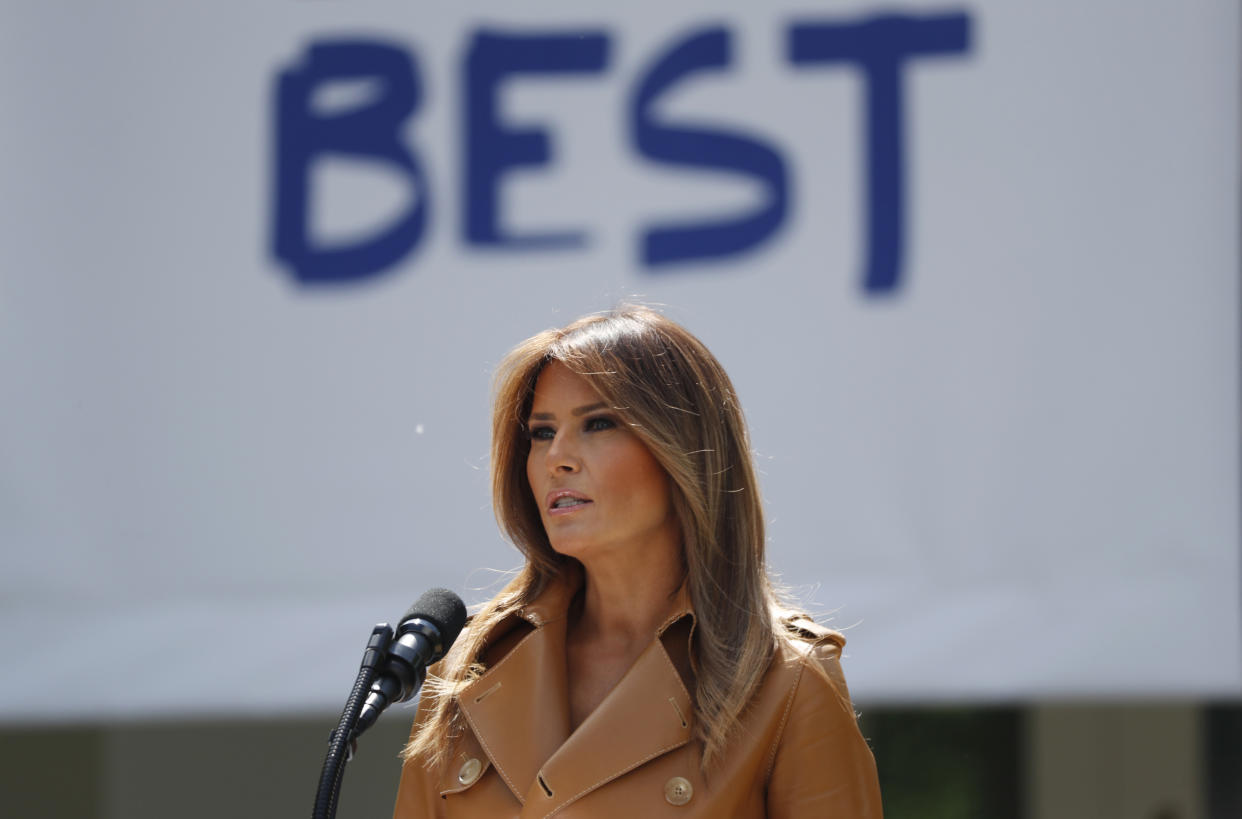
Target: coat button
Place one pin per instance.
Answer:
(470, 771)
(678, 790)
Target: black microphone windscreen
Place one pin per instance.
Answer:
(442, 607)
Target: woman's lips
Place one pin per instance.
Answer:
(564, 501)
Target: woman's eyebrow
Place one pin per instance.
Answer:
(590, 408)
(547, 416)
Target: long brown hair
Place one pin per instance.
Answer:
(677, 398)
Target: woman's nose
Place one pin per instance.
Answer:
(563, 455)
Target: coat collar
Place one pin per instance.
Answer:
(519, 708)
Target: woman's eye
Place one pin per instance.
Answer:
(596, 424)
(542, 433)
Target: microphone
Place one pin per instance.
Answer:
(424, 635)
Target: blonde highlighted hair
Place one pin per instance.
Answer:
(676, 397)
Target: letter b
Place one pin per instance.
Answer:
(370, 130)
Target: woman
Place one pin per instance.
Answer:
(640, 663)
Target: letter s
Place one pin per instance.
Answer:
(703, 148)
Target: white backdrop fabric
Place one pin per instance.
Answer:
(1011, 475)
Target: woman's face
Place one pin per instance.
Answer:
(600, 491)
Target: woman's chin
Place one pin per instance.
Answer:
(571, 547)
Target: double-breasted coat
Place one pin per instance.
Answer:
(798, 752)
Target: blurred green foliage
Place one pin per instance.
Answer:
(948, 763)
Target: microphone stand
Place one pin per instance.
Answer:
(343, 741)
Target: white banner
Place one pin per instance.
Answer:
(973, 268)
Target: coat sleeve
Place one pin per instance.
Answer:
(822, 765)
(418, 794)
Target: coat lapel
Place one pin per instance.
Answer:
(648, 714)
(519, 709)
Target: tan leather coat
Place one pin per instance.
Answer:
(799, 752)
